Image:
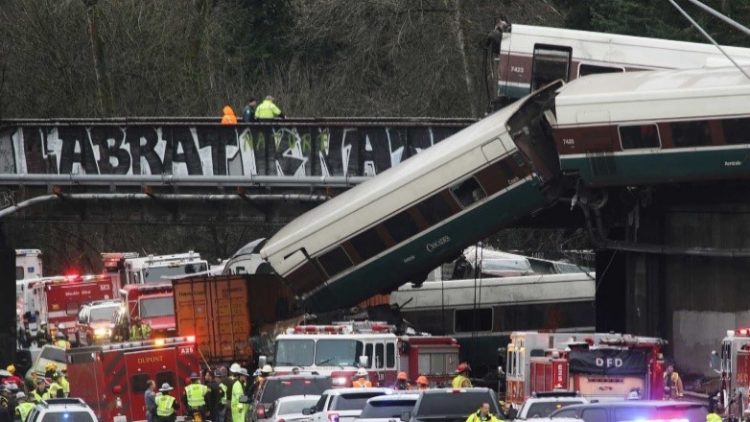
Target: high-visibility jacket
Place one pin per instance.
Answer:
(140, 331)
(164, 405)
(713, 417)
(238, 409)
(228, 118)
(37, 396)
(63, 344)
(55, 390)
(23, 410)
(477, 417)
(267, 110)
(223, 399)
(65, 386)
(460, 381)
(361, 383)
(196, 395)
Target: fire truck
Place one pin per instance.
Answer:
(598, 366)
(338, 350)
(162, 268)
(58, 299)
(112, 378)
(113, 264)
(153, 303)
(732, 362)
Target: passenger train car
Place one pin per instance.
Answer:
(654, 127)
(532, 56)
(482, 313)
(405, 222)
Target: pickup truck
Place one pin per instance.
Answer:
(450, 405)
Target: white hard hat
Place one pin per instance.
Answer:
(20, 395)
(166, 387)
(361, 372)
(267, 369)
(234, 368)
(242, 371)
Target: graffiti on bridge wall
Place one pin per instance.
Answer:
(211, 150)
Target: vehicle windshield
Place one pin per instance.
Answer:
(54, 354)
(103, 314)
(296, 406)
(157, 307)
(294, 352)
(454, 404)
(338, 352)
(67, 417)
(157, 274)
(390, 409)
(274, 389)
(544, 409)
(353, 401)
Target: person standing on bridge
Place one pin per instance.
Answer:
(461, 380)
(268, 110)
(228, 118)
(248, 113)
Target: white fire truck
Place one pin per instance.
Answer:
(597, 365)
(732, 362)
(338, 350)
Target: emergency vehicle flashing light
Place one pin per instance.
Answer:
(744, 332)
(351, 327)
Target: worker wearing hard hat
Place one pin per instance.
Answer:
(166, 404)
(23, 406)
(461, 380)
(422, 383)
(195, 396)
(402, 382)
(361, 379)
(39, 392)
(265, 372)
(62, 340)
(239, 410)
(55, 390)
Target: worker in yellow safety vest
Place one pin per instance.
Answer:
(195, 396)
(239, 410)
(267, 109)
(483, 415)
(461, 380)
(139, 330)
(62, 340)
(39, 392)
(23, 406)
(64, 382)
(165, 404)
(55, 390)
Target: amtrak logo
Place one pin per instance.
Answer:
(437, 243)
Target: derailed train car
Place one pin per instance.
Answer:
(403, 223)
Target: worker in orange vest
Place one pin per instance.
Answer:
(229, 118)
(361, 379)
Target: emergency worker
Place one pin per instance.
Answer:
(673, 388)
(64, 382)
(716, 412)
(50, 369)
(227, 379)
(239, 410)
(194, 396)
(422, 383)
(165, 404)
(40, 391)
(268, 109)
(55, 390)
(402, 382)
(228, 118)
(461, 380)
(62, 340)
(12, 378)
(221, 395)
(43, 336)
(483, 415)
(265, 372)
(23, 406)
(139, 330)
(361, 379)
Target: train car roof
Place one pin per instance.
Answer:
(653, 95)
(407, 171)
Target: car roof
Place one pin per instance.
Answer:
(59, 404)
(556, 399)
(395, 396)
(453, 390)
(340, 391)
(295, 376)
(298, 397)
(636, 403)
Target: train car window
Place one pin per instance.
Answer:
(736, 131)
(550, 63)
(401, 226)
(468, 192)
(593, 69)
(690, 134)
(368, 244)
(335, 261)
(641, 136)
(434, 209)
(469, 320)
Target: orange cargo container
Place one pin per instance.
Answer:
(215, 310)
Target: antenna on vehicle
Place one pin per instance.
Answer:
(706, 35)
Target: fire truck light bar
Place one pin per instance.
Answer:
(159, 342)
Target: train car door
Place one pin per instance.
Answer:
(549, 63)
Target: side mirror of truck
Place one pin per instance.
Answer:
(308, 411)
(405, 416)
(715, 362)
(262, 361)
(364, 361)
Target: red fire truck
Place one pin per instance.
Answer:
(596, 365)
(732, 362)
(59, 299)
(338, 350)
(154, 304)
(112, 378)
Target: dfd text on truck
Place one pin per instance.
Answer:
(338, 350)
